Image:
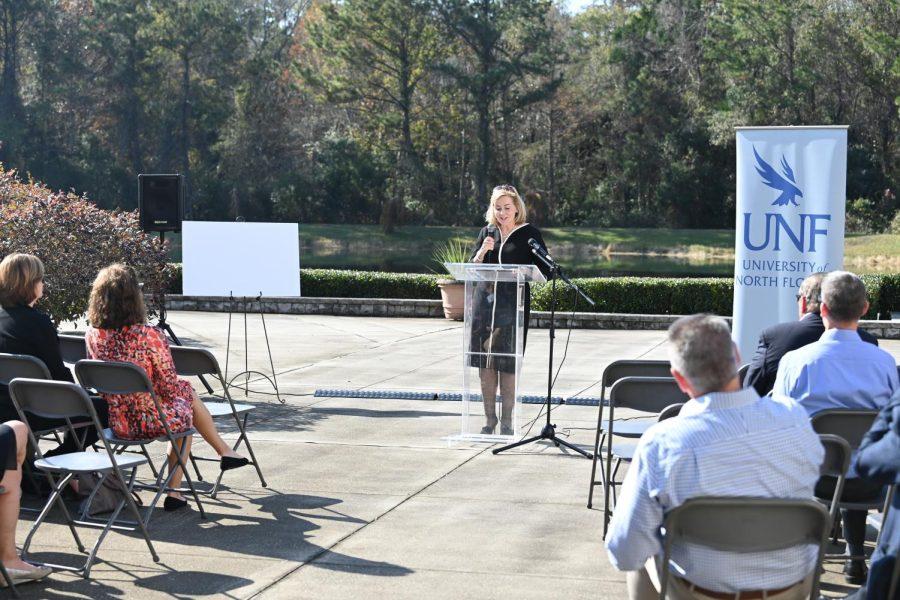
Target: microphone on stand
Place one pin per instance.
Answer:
(536, 248)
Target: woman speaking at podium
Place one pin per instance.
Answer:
(504, 240)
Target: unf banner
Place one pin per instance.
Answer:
(791, 185)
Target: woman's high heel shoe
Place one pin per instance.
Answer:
(490, 427)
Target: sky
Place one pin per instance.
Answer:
(575, 6)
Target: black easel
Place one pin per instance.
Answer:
(162, 324)
(549, 430)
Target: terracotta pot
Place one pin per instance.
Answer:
(453, 295)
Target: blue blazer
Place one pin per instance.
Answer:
(879, 460)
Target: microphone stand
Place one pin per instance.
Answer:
(549, 430)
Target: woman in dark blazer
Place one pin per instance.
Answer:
(504, 240)
(26, 330)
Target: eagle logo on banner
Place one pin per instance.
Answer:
(786, 184)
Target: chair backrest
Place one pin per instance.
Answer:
(741, 525)
(194, 361)
(851, 425)
(670, 411)
(742, 373)
(646, 394)
(22, 365)
(837, 455)
(618, 369)
(72, 348)
(50, 399)
(113, 377)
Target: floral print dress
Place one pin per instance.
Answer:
(134, 416)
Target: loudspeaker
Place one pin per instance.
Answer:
(161, 202)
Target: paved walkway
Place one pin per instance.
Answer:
(365, 498)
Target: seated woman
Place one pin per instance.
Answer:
(13, 441)
(119, 332)
(26, 330)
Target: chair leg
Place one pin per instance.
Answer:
(133, 508)
(55, 498)
(597, 442)
(606, 485)
(196, 467)
(9, 582)
(180, 456)
(246, 440)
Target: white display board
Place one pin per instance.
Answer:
(791, 185)
(243, 259)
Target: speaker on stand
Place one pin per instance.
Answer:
(161, 209)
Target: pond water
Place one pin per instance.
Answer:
(581, 260)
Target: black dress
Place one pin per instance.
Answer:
(494, 314)
(26, 330)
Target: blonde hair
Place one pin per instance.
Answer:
(19, 275)
(510, 192)
(116, 299)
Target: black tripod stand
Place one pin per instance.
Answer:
(549, 430)
(162, 324)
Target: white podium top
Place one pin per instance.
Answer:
(494, 272)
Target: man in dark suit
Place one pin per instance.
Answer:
(778, 340)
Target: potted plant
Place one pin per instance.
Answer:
(452, 291)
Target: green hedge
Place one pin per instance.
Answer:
(642, 295)
(638, 295)
(333, 283)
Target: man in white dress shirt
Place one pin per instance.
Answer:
(727, 441)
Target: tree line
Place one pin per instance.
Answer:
(409, 111)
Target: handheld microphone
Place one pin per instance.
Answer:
(494, 233)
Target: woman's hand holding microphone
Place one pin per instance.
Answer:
(487, 245)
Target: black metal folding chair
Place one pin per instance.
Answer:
(643, 394)
(851, 426)
(742, 373)
(742, 525)
(72, 348)
(613, 372)
(64, 400)
(835, 464)
(120, 378)
(196, 362)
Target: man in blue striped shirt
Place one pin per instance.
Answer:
(842, 371)
(727, 441)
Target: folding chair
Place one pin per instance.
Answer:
(835, 464)
(196, 362)
(644, 394)
(669, 412)
(742, 373)
(25, 366)
(72, 348)
(613, 372)
(3, 572)
(118, 378)
(64, 400)
(743, 525)
(851, 426)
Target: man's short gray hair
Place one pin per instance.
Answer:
(845, 296)
(811, 289)
(701, 349)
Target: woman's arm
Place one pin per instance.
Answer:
(473, 257)
(164, 376)
(47, 349)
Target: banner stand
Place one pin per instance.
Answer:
(790, 198)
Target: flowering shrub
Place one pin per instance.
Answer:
(75, 239)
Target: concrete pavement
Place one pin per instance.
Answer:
(365, 498)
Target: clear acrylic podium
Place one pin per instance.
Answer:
(493, 340)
